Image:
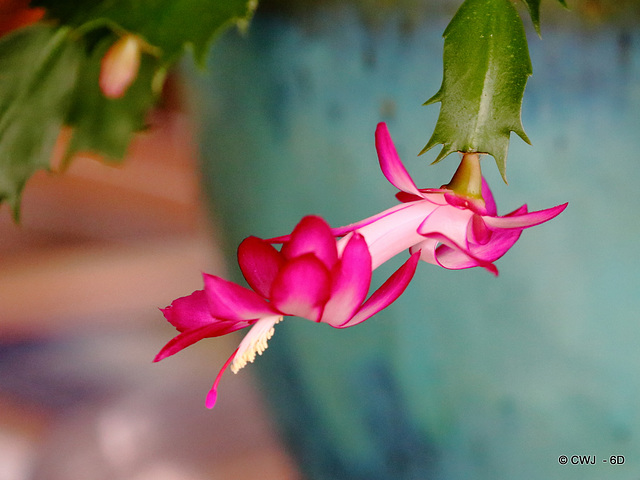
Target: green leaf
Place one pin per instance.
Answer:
(49, 76)
(104, 125)
(486, 67)
(534, 11)
(38, 68)
(170, 25)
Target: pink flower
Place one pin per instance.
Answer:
(120, 65)
(312, 276)
(317, 277)
(446, 228)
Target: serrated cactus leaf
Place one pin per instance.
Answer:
(534, 11)
(486, 67)
(38, 68)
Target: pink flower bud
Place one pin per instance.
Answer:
(120, 66)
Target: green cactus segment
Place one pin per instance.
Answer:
(38, 70)
(486, 67)
(169, 25)
(534, 11)
(50, 75)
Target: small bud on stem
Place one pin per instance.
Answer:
(120, 66)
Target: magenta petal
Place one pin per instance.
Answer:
(312, 235)
(489, 201)
(461, 256)
(484, 206)
(188, 312)
(302, 288)
(478, 230)
(500, 243)
(351, 278)
(387, 293)
(452, 256)
(190, 337)
(390, 162)
(229, 301)
(524, 220)
(260, 263)
(405, 197)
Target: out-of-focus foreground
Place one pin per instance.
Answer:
(98, 250)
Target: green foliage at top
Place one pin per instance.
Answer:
(50, 76)
(486, 67)
(169, 25)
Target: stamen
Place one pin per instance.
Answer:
(255, 342)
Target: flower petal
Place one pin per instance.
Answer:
(302, 287)
(454, 256)
(478, 232)
(427, 250)
(229, 301)
(390, 162)
(405, 197)
(387, 293)
(434, 195)
(312, 235)
(340, 231)
(524, 220)
(260, 263)
(464, 256)
(189, 312)
(351, 278)
(396, 232)
(189, 337)
(449, 221)
(489, 201)
(435, 200)
(484, 206)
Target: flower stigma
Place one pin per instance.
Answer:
(255, 342)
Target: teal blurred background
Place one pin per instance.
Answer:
(467, 375)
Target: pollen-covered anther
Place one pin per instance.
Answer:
(255, 342)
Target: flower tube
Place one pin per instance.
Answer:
(456, 226)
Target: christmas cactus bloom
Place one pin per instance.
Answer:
(456, 226)
(312, 276)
